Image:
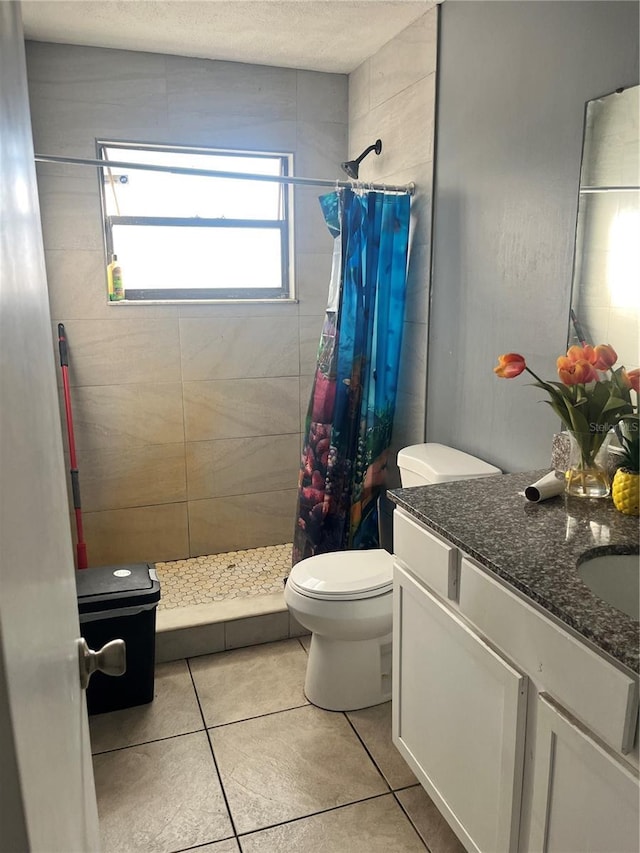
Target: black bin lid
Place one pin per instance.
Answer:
(110, 587)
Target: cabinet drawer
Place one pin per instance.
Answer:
(429, 558)
(596, 692)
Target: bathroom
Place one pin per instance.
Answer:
(493, 290)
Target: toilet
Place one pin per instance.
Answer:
(344, 598)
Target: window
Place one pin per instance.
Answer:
(184, 236)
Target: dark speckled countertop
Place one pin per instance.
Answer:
(535, 548)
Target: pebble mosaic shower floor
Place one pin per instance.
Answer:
(220, 577)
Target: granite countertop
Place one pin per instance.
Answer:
(535, 548)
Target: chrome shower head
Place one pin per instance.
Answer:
(351, 167)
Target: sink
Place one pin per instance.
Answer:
(615, 578)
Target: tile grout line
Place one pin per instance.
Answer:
(215, 763)
(313, 814)
(408, 816)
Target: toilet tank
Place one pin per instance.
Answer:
(422, 464)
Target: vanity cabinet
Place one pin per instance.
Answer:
(519, 733)
(459, 715)
(584, 799)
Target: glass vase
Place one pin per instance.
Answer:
(587, 474)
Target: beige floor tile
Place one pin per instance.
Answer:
(160, 797)
(436, 832)
(374, 826)
(230, 845)
(174, 711)
(249, 682)
(292, 764)
(374, 727)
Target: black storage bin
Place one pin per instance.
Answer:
(119, 602)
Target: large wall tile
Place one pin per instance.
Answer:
(321, 147)
(360, 91)
(235, 349)
(233, 408)
(231, 310)
(112, 416)
(241, 521)
(313, 274)
(417, 304)
(405, 124)
(252, 133)
(230, 88)
(65, 72)
(123, 351)
(311, 232)
(77, 282)
(71, 127)
(136, 476)
(310, 331)
(137, 535)
(238, 466)
(404, 60)
(322, 97)
(70, 210)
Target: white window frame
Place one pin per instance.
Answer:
(214, 294)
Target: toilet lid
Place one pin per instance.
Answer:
(344, 575)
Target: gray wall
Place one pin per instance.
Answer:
(513, 81)
(188, 417)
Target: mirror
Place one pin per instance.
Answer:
(606, 277)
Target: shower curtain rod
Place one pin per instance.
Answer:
(208, 173)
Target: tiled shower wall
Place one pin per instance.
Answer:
(392, 97)
(188, 418)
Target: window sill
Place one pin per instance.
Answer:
(143, 302)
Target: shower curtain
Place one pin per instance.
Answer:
(350, 415)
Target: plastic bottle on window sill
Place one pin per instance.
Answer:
(110, 267)
(116, 277)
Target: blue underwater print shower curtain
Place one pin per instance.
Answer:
(350, 415)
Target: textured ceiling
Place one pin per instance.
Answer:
(320, 35)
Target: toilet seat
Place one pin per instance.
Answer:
(344, 575)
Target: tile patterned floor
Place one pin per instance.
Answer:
(220, 577)
(231, 758)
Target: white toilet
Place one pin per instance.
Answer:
(344, 598)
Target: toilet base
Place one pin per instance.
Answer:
(344, 675)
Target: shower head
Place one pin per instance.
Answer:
(351, 167)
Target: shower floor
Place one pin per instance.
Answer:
(221, 577)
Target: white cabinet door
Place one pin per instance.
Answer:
(459, 715)
(585, 800)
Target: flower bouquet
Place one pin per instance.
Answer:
(590, 400)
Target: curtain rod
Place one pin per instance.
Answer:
(184, 170)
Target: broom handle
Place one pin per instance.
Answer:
(81, 548)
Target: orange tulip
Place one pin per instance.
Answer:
(585, 353)
(509, 365)
(575, 372)
(606, 356)
(634, 379)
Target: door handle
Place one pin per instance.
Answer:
(110, 659)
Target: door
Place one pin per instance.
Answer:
(585, 799)
(48, 797)
(459, 715)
